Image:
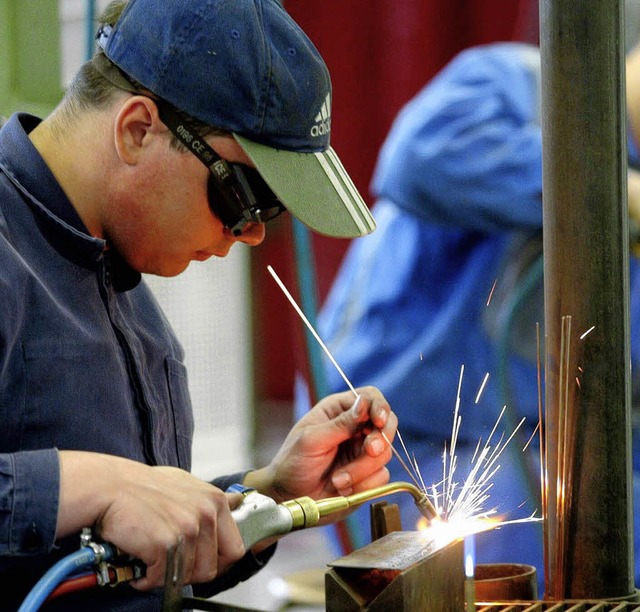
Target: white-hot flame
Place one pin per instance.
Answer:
(468, 566)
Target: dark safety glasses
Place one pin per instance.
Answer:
(237, 193)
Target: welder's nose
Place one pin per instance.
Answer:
(252, 234)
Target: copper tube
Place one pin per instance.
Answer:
(307, 512)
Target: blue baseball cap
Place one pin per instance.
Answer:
(246, 67)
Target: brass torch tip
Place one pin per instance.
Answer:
(426, 508)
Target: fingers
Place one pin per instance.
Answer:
(367, 466)
(379, 410)
(368, 410)
(333, 448)
(370, 405)
(355, 475)
(360, 480)
(376, 479)
(212, 560)
(380, 423)
(149, 514)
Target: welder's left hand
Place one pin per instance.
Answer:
(336, 449)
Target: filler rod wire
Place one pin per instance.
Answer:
(334, 362)
(311, 329)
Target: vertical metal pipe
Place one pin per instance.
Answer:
(587, 381)
(90, 29)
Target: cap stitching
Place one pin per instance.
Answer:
(267, 92)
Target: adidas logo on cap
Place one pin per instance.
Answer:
(322, 124)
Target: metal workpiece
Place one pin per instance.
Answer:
(589, 512)
(401, 571)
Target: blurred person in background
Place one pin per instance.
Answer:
(452, 280)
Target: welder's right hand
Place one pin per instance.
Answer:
(144, 510)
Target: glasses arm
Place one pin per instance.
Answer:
(218, 167)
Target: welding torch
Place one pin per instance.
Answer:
(259, 517)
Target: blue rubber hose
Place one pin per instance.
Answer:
(85, 557)
(306, 273)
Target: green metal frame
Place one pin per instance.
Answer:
(30, 75)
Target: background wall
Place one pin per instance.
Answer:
(29, 55)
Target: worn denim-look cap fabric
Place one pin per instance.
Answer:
(246, 67)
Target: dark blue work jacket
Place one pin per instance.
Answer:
(88, 361)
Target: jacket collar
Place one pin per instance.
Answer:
(59, 222)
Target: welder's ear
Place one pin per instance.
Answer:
(136, 122)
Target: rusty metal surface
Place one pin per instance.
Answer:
(401, 571)
(586, 278)
(397, 551)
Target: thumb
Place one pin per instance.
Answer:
(355, 418)
(234, 499)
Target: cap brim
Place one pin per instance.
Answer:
(314, 187)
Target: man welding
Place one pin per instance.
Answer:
(95, 409)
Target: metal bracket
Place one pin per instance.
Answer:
(174, 578)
